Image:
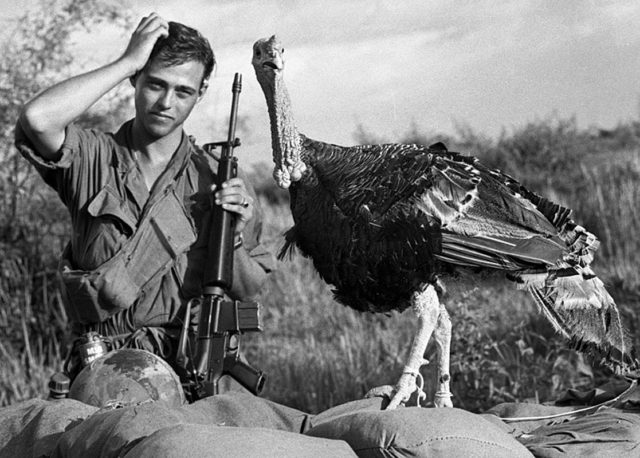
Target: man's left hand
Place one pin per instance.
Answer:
(235, 198)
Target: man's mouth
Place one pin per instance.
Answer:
(163, 116)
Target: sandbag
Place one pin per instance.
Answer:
(247, 410)
(522, 410)
(414, 432)
(235, 442)
(33, 428)
(241, 422)
(606, 432)
(567, 429)
(107, 433)
(112, 433)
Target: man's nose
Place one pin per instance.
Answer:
(166, 99)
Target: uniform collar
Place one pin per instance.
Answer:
(130, 173)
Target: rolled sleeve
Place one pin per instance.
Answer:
(253, 232)
(82, 168)
(264, 257)
(69, 149)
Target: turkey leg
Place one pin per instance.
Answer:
(442, 337)
(430, 318)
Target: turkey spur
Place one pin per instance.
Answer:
(382, 223)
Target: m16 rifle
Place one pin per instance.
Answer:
(221, 322)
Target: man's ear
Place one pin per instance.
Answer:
(133, 78)
(203, 88)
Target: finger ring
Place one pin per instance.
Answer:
(245, 203)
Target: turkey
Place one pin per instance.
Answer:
(386, 224)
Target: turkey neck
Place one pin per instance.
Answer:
(285, 139)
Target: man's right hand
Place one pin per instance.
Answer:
(142, 41)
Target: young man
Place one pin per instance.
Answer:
(139, 199)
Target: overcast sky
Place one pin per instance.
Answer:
(387, 64)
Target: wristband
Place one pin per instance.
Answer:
(239, 241)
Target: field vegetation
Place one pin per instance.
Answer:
(316, 352)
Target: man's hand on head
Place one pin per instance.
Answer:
(143, 39)
(45, 117)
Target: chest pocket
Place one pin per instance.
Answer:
(164, 233)
(171, 224)
(107, 204)
(106, 228)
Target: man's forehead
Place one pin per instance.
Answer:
(190, 72)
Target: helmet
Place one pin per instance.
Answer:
(127, 377)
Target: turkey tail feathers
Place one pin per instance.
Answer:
(580, 308)
(556, 214)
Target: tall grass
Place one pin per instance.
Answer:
(318, 353)
(612, 213)
(32, 319)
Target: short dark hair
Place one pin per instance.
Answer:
(184, 44)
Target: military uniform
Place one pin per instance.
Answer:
(135, 256)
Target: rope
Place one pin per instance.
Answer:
(421, 395)
(585, 411)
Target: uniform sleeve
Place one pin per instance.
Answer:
(254, 243)
(78, 174)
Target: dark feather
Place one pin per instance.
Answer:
(380, 220)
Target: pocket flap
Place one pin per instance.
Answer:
(108, 203)
(173, 226)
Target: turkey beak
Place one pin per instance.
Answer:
(275, 63)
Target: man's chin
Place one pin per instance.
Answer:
(156, 131)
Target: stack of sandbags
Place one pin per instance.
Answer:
(240, 424)
(33, 428)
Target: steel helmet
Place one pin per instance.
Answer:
(127, 377)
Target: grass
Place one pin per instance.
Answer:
(317, 353)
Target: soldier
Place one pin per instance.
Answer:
(140, 198)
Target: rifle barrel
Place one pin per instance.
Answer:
(236, 88)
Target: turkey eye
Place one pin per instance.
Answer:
(258, 52)
(282, 51)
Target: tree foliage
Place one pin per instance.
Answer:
(34, 225)
(40, 53)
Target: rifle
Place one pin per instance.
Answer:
(221, 322)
